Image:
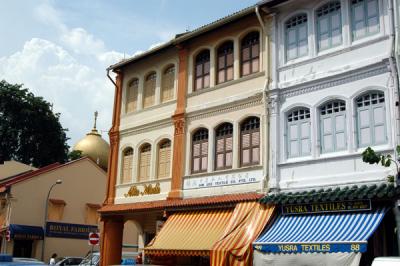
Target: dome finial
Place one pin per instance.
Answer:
(95, 119)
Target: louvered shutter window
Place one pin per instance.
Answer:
(333, 126)
(365, 18)
(250, 54)
(145, 160)
(202, 70)
(296, 37)
(298, 133)
(225, 62)
(223, 152)
(132, 96)
(164, 159)
(250, 141)
(371, 122)
(149, 90)
(127, 165)
(168, 82)
(200, 151)
(329, 25)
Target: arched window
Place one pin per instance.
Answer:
(371, 122)
(132, 96)
(149, 90)
(296, 37)
(127, 165)
(202, 70)
(225, 62)
(333, 126)
(144, 162)
(329, 25)
(167, 87)
(364, 18)
(200, 151)
(223, 146)
(164, 159)
(298, 132)
(250, 141)
(250, 53)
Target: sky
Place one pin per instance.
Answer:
(60, 49)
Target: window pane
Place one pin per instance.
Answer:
(221, 76)
(294, 148)
(303, 33)
(256, 155)
(206, 67)
(305, 130)
(335, 21)
(336, 37)
(340, 141)
(229, 73)
(204, 163)
(246, 156)
(379, 115)
(221, 62)
(220, 160)
(323, 41)
(229, 159)
(359, 12)
(340, 123)
(255, 65)
(245, 140)
(228, 144)
(293, 133)
(303, 49)
(220, 145)
(196, 149)
(229, 59)
(372, 8)
(255, 138)
(255, 50)
(305, 146)
(292, 51)
(327, 125)
(207, 81)
(327, 144)
(199, 70)
(373, 25)
(365, 137)
(364, 118)
(204, 148)
(291, 37)
(196, 164)
(246, 53)
(323, 25)
(380, 134)
(199, 84)
(246, 68)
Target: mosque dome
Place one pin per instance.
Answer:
(94, 146)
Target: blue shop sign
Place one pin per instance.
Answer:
(66, 230)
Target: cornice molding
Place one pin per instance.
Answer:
(253, 100)
(343, 78)
(147, 127)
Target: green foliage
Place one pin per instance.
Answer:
(74, 155)
(29, 131)
(372, 157)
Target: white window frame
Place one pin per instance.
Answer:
(299, 138)
(336, 111)
(296, 28)
(367, 33)
(372, 123)
(329, 30)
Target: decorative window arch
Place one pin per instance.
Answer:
(298, 132)
(223, 146)
(200, 151)
(364, 18)
(329, 25)
(127, 165)
(225, 62)
(202, 70)
(296, 36)
(167, 86)
(149, 90)
(144, 162)
(164, 159)
(333, 126)
(250, 141)
(132, 96)
(250, 53)
(371, 122)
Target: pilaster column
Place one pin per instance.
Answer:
(273, 141)
(111, 241)
(114, 142)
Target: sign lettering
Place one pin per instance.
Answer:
(64, 230)
(336, 206)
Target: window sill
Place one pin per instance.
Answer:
(144, 182)
(333, 51)
(148, 108)
(334, 156)
(228, 83)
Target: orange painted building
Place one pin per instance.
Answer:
(187, 157)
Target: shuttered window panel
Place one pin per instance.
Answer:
(168, 81)
(250, 54)
(200, 151)
(164, 158)
(250, 142)
(223, 151)
(144, 168)
(225, 62)
(132, 96)
(202, 70)
(149, 90)
(127, 165)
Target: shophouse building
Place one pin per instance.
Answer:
(189, 145)
(333, 93)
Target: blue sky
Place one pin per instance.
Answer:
(60, 49)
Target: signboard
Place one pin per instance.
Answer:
(94, 238)
(312, 247)
(227, 179)
(324, 207)
(65, 230)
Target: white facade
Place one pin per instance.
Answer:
(332, 93)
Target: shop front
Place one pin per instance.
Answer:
(345, 226)
(25, 239)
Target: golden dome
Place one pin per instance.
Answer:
(94, 146)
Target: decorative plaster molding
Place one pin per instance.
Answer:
(358, 74)
(146, 127)
(254, 100)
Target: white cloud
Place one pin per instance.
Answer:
(81, 42)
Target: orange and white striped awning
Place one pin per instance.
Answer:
(191, 233)
(234, 247)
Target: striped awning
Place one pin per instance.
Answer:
(234, 247)
(336, 232)
(190, 233)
